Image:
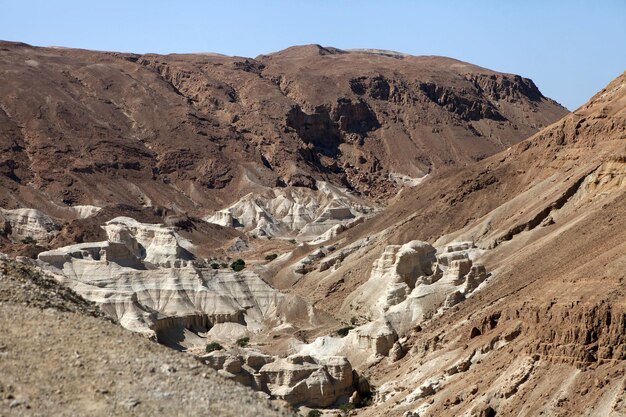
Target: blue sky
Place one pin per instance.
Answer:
(571, 49)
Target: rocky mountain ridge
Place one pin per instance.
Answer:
(191, 131)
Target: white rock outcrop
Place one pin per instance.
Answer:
(394, 275)
(129, 243)
(293, 211)
(144, 277)
(298, 379)
(25, 223)
(408, 284)
(80, 211)
(28, 223)
(154, 245)
(307, 380)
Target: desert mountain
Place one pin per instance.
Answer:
(308, 135)
(406, 251)
(194, 133)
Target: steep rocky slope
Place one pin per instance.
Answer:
(390, 261)
(548, 219)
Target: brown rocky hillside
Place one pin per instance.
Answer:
(546, 335)
(195, 132)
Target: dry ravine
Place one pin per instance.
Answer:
(223, 236)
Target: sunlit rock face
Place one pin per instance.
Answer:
(299, 212)
(144, 277)
(26, 223)
(411, 281)
(408, 284)
(314, 381)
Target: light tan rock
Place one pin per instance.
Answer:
(297, 379)
(397, 352)
(377, 337)
(408, 284)
(29, 223)
(145, 278)
(295, 211)
(394, 276)
(306, 380)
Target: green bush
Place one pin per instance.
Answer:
(28, 240)
(271, 257)
(213, 346)
(346, 408)
(314, 413)
(242, 341)
(238, 265)
(343, 332)
(215, 265)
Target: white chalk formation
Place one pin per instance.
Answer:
(315, 381)
(294, 212)
(28, 223)
(144, 277)
(408, 284)
(147, 277)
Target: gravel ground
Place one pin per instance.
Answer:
(60, 357)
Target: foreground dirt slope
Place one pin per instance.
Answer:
(546, 335)
(60, 356)
(194, 133)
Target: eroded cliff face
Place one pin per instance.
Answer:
(503, 362)
(197, 132)
(301, 213)
(298, 379)
(146, 277)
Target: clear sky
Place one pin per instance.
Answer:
(571, 49)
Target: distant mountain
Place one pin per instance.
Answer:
(194, 133)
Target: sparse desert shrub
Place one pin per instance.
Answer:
(242, 341)
(223, 265)
(343, 332)
(29, 240)
(346, 408)
(213, 346)
(292, 241)
(271, 257)
(215, 265)
(238, 265)
(314, 413)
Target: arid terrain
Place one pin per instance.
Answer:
(59, 355)
(357, 232)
